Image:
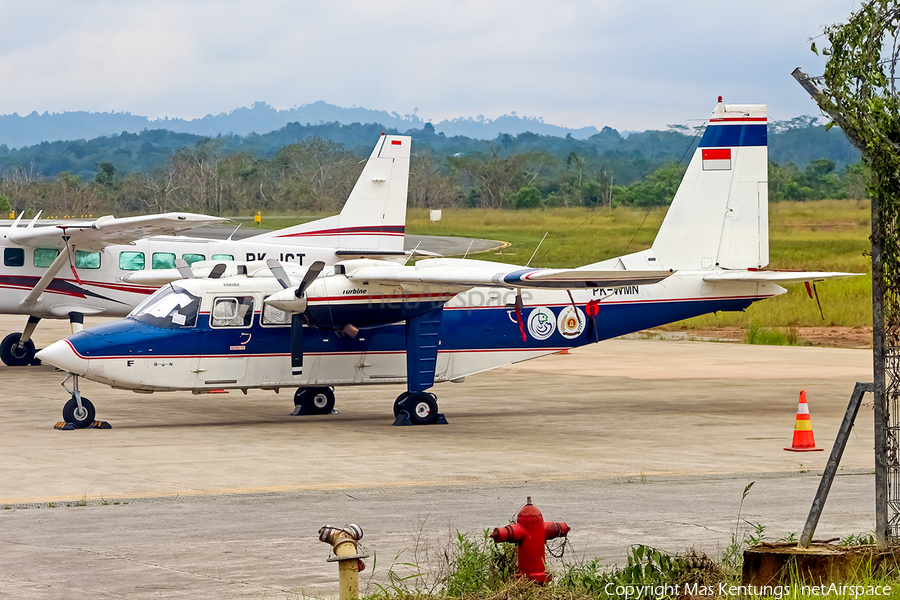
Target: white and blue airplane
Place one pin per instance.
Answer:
(115, 264)
(365, 321)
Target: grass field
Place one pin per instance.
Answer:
(829, 235)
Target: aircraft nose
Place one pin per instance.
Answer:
(62, 355)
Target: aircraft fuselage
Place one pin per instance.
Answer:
(478, 332)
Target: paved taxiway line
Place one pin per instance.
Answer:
(658, 477)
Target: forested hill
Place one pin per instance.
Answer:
(800, 142)
(19, 131)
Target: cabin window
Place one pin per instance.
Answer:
(222, 257)
(87, 260)
(273, 316)
(14, 257)
(131, 261)
(44, 257)
(190, 258)
(163, 260)
(169, 308)
(235, 311)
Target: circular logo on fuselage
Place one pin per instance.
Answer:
(541, 323)
(571, 322)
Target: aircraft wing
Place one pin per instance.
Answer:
(775, 276)
(107, 231)
(494, 275)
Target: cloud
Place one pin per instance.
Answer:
(625, 64)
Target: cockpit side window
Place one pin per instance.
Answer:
(233, 311)
(169, 308)
(14, 257)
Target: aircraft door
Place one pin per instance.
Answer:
(224, 356)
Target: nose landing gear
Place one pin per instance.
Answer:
(79, 411)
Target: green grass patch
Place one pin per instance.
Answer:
(764, 336)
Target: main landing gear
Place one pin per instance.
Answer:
(417, 408)
(313, 401)
(17, 349)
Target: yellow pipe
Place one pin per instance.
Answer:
(348, 570)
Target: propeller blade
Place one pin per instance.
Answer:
(279, 273)
(184, 269)
(217, 271)
(311, 274)
(296, 345)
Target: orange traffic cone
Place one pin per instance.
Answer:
(803, 434)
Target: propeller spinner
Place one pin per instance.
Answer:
(293, 301)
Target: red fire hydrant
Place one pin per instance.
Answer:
(529, 533)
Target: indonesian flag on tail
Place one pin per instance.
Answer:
(716, 159)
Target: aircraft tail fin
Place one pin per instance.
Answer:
(719, 216)
(373, 219)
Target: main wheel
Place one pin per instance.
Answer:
(79, 417)
(422, 408)
(318, 401)
(298, 396)
(14, 355)
(400, 403)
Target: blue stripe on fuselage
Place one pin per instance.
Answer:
(721, 136)
(461, 329)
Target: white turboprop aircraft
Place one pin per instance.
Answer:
(115, 263)
(366, 321)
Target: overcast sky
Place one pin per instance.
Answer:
(625, 63)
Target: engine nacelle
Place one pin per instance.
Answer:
(336, 301)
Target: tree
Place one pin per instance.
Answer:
(491, 179)
(106, 176)
(429, 187)
(527, 197)
(860, 94)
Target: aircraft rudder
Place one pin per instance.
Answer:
(374, 216)
(719, 216)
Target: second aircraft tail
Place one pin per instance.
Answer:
(373, 219)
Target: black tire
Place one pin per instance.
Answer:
(318, 401)
(298, 396)
(80, 419)
(12, 354)
(422, 408)
(400, 403)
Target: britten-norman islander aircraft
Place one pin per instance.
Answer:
(115, 264)
(367, 321)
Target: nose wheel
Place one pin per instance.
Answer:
(80, 416)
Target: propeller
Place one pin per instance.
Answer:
(279, 273)
(297, 317)
(184, 269)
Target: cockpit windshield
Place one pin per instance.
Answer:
(169, 307)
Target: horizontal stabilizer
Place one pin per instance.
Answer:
(775, 276)
(463, 273)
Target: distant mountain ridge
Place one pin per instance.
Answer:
(20, 131)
